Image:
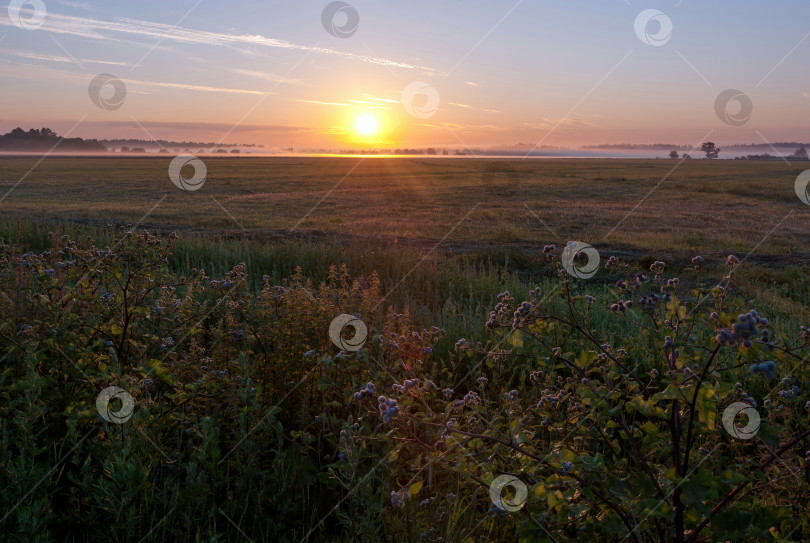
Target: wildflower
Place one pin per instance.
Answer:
(448, 393)
(309, 354)
(396, 500)
(566, 467)
(388, 408)
(732, 261)
(482, 382)
(410, 383)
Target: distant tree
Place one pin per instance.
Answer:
(686, 156)
(430, 151)
(673, 154)
(445, 152)
(711, 150)
(801, 154)
(125, 149)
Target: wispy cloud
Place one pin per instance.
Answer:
(322, 103)
(196, 126)
(77, 5)
(39, 72)
(105, 30)
(55, 58)
(185, 86)
(546, 123)
(275, 78)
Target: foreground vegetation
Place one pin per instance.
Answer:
(250, 423)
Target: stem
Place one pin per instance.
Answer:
(731, 495)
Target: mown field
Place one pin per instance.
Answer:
(638, 205)
(251, 424)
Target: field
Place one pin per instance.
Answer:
(696, 206)
(286, 244)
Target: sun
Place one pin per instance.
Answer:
(366, 125)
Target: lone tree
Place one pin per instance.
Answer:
(710, 149)
(800, 154)
(673, 154)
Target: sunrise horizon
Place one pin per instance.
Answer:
(308, 86)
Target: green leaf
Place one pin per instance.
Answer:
(706, 407)
(516, 339)
(671, 393)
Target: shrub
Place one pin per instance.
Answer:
(249, 420)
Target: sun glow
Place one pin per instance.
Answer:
(366, 125)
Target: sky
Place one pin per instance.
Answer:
(314, 74)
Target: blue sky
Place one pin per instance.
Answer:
(540, 72)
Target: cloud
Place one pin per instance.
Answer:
(77, 5)
(548, 123)
(322, 103)
(268, 76)
(387, 100)
(103, 30)
(54, 58)
(196, 126)
(39, 72)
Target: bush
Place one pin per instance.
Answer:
(249, 420)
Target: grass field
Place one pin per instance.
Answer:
(637, 206)
(251, 425)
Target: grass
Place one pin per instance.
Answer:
(633, 205)
(383, 220)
